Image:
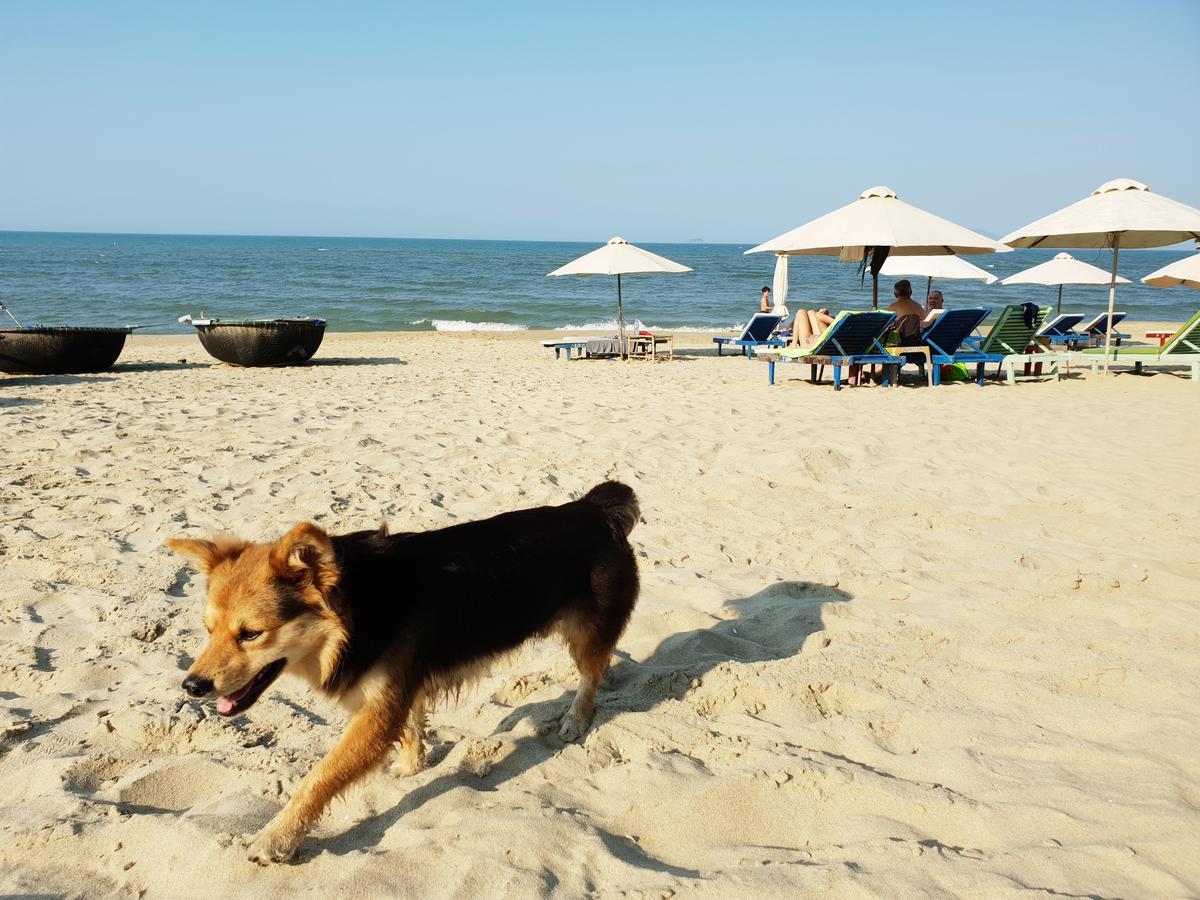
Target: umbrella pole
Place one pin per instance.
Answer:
(874, 290)
(620, 319)
(928, 289)
(1112, 299)
(1060, 300)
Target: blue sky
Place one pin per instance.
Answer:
(658, 121)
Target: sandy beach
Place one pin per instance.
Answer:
(889, 643)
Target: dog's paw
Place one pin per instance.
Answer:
(408, 762)
(572, 728)
(273, 845)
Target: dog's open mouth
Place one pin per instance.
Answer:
(243, 698)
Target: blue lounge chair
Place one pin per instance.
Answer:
(1061, 330)
(950, 341)
(1096, 328)
(852, 339)
(1010, 343)
(757, 333)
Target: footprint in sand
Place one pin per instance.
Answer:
(172, 785)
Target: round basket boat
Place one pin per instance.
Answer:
(63, 350)
(261, 342)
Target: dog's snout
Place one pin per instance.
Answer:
(196, 686)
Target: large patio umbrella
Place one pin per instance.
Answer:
(1063, 269)
(875, 224)
(951, 268)
(1119, 213)
(1185, 271)
(619, 257)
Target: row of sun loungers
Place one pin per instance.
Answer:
(1065, 328)
(1020, 344)
(856, 339)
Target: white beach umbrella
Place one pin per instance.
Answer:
(1063, 269)
(1186, 272)
(952, 268)
(619, 257)
(874, 225)
(779, 286)
(1119, 213)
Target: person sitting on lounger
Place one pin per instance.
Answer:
(906, 329)
(808, 325)
(904, 304)
(935, 302)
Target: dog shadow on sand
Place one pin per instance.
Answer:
(772, 624)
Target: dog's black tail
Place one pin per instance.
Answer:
(619, 503)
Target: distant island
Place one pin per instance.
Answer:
(695, 241)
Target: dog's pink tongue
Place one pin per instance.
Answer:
(225, 705)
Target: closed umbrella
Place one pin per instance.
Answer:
(779, 287)
(1063, 269)
(619, 257)
(875, 224)
(1119, 213)
(952, 268)
(1186, 272)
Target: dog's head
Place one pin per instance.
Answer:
(269, 608)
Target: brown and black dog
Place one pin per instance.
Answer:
(384, 623)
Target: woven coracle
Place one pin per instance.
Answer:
(262, 342)
(59, 350)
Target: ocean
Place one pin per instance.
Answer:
(385, 284)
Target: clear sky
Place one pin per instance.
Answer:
(658, 121)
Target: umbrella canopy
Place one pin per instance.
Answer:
(878, 218)
(953, 268)
(619, 257)
(1063, 269)
(874, 225)
(1186, 272)
(950, 267)
(1121, 207)
(1119, 213)
(779, 286)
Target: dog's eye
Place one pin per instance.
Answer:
(246, 635)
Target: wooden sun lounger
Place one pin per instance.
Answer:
(1181, 349)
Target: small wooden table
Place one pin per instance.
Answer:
(645, 346)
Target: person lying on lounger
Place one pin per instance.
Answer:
(808, 325)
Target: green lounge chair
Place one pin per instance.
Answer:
(852, 339)
(1010, 339)
(1181, 349)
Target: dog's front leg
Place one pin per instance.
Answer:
(364, 746)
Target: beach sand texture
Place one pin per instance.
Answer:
(889, 644)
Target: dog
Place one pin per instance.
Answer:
(386, 623)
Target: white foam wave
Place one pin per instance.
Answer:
(461, 325)
(703, 329)
(611, 326)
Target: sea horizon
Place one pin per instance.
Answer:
(451, 284)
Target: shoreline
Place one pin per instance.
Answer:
(688, 340)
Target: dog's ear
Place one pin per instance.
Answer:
(305, 555)
(206, 554)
